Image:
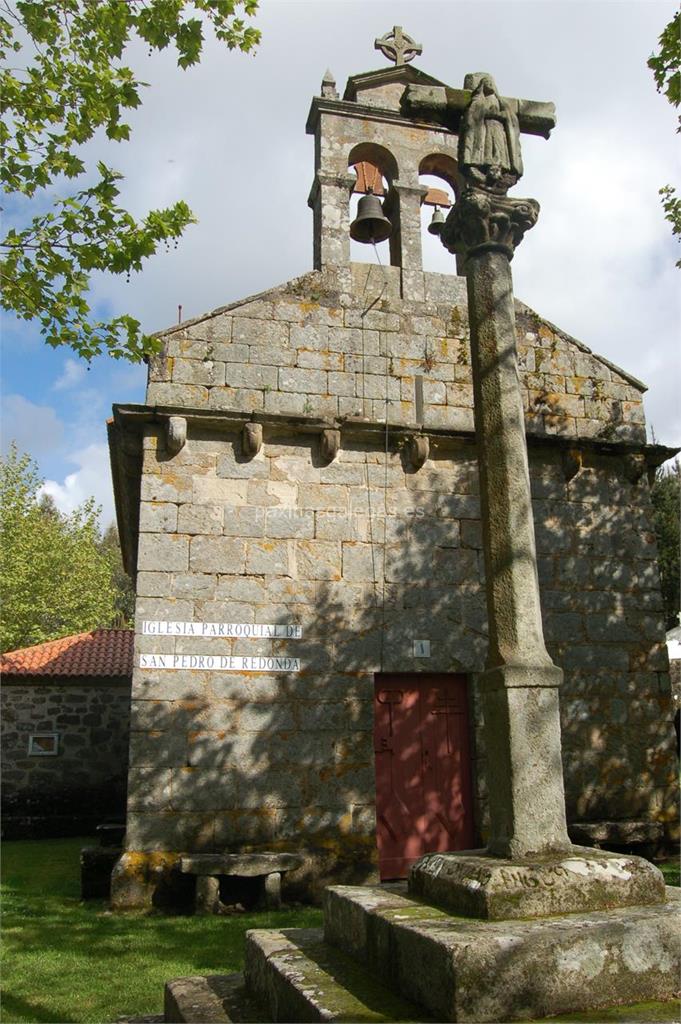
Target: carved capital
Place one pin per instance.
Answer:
(176, 434)
(340, 181)
(482, 222)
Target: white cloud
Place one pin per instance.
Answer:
(72, 374)
(36, 429)
(91, 479)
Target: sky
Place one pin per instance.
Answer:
(228, 136)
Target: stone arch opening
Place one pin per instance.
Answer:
(375, 170)
(438, 173)
(377, 156)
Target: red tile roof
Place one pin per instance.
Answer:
(102, 652)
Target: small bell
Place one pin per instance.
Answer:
(370, 224)
(437, 222)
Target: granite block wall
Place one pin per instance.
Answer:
(86, 781)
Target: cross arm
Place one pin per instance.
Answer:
(443, 105)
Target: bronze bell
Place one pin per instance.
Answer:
(437, 222)
(370, 224)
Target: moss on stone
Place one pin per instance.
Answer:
(418, 912)
(655, 1012)
(347, 990)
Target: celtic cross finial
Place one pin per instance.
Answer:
(398, 46)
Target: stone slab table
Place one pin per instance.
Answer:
(209, 868)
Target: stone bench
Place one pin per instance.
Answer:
(266, 868)
(646, 834)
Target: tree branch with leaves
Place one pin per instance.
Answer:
(63, 79)
(665, 65)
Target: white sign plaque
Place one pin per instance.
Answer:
(222, 662)
(421, 648)
(256, 630)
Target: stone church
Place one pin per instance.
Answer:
(298, 502)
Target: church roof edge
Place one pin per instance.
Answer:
(292, 282)
(296, 282)
(400, 72)
(634, 381)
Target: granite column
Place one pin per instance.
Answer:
(520, 683)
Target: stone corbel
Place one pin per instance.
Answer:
(572, 463)
(251, 438)
(176, 434)
(329, 444)
(418, 449)
(634, 467)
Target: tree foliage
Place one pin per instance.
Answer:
(54, 578)
(124, 591)
(665, 65)
(666, 499)
(63, 80)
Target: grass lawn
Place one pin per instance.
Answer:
(671, 870)
(65, 960)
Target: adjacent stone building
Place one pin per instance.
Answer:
(65, 733)
(298, 500)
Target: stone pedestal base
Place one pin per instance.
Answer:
(495, 889)
(459, 969)
(384, 956)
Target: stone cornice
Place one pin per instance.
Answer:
(133, 417)
(362, 112)
(536, 118)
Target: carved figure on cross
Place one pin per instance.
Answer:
(489, 138)
(488, 126)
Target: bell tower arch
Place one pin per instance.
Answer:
(365, 130)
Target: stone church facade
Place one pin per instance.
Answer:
(305, 459)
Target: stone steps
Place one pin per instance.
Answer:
(211, 999)
(299, 977)
(386, 956)
(462, 969)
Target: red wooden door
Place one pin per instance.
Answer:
(423, 774)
